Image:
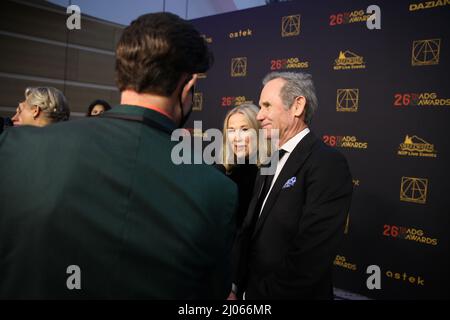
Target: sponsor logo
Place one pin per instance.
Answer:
(347, 100)
(230, 101)
(342, 262)
(290, 26)
(406, 233)
(239, 67)
(424, 99)
(428, 5)
(355, 182)
(288, 63)
(416, 147)
(348, 60)
(426, 52)
(408, 278)
(414, 190)
(240, 34)
(348, 142)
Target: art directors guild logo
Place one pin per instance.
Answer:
(290, 26)
(348, 142)
(348, 17)
(416, 147)
(349, 61)
(414, 190)
(239, 67)
(198, 102)
(408, 233)
(347, 100)
(342, 262)
(426, 52)
(420, 99)
(288, 63)
(231, 101)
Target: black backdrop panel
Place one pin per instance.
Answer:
(387, 111)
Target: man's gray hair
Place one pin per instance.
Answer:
(51, 101)
(297, 84)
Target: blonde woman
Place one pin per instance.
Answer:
(41, 107)
(241, 155)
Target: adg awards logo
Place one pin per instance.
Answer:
(409, 233)
(290, 26)
(341, 261)
(414, 190)
(345, 142)
(416, 147)
(239, 67)
(425, 52)
(288, 64)
(347, 100)
(232, 101)
(349, 60)
(420, 99)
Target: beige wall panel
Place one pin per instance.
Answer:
(18, 18)
(31, 58)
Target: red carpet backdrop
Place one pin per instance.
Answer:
(384, 101)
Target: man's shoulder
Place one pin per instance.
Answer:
(323, 152)
(66, 129)
(213, 178)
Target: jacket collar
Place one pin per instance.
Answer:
(294, 163)
(136, 111)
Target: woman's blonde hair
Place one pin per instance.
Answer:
(50, 100)
(249, 111)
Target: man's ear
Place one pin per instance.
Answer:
(187, 87)
(299, 106)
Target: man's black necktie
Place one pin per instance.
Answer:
(266, 186)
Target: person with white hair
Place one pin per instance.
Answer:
(42, 106)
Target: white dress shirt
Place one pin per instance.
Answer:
(288, 146)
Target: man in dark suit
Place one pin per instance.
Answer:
(296, 218)
(96, 208)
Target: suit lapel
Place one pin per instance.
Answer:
(259, 184)
(290, 169)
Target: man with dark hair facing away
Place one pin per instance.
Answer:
(96, 208)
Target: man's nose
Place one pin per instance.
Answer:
(260, 115)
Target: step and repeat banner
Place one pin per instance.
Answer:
(384, 102)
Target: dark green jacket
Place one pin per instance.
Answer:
(103, 194)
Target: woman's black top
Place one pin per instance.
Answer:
(244, 175)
